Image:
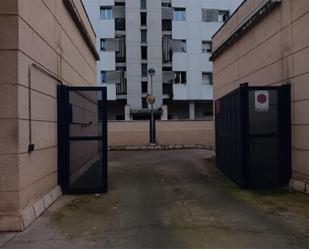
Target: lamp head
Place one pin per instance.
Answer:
(151, 72)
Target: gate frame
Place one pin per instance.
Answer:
(64, 114)
(284, 134)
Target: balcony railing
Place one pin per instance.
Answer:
(167, 13)
(120, 59)
(168, 76)
(121, 88)
(120, 24)
(168, 90)
(167, 25)
(119, 12)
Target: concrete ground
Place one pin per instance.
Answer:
(170, 199)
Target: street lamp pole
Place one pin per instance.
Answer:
(151, 100)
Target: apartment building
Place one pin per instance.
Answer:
(171, 36)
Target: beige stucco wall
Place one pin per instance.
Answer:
(168, 133)
(40, 32)
(274, 52)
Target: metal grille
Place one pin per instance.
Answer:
(210, 15)
(82, 139)
(167, 13)
(119, 12)
(177, 46)
(168, 76)
(112, 45)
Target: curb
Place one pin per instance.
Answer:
(158, 147)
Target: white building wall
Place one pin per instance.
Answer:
(133, 45)
(194, 31)
(103, 29)
(154, 43)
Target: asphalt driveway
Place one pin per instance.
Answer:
(170, 199)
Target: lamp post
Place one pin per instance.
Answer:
(151, 99)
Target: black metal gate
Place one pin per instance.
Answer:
(82, 139)
(253, 146)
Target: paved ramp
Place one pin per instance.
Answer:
(165, 199)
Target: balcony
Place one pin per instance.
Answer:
(121, 88)
(168, 90)
(119, 12)
(166, 49)
(168, 77)
(117, 78)
(166, 25)
(167, 13)
(120, 59)
(120, 24)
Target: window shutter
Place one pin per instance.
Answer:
(177, 45)
(113, 76)
(210, 15)
(122, 46)
(119, 12)
(168, 76)
(166, 48)
(167, 13)
(111, 45)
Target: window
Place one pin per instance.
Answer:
(166, 25)
(167, 89)
(207, 78)
(103, 44)
(180, 77)
(143, 19)
(144, 87)
(167, 69)
(120, 24)
(179, 46)
(223, 15)
(143, 4)
(143, 36)
(144, 70)
(144, 103)
(144, 52)
(179, 14)
(206, 47)
(208, 113)
(103, 77)
(214, 15)
(106, 13)
(120, 4)
(166, 4)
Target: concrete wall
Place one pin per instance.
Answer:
(40, 32)
(168, 133)
(274, 52)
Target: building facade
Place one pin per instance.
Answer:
(266, 43)
(171, 36)
(42, 44)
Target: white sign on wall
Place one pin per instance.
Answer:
(261, 101)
